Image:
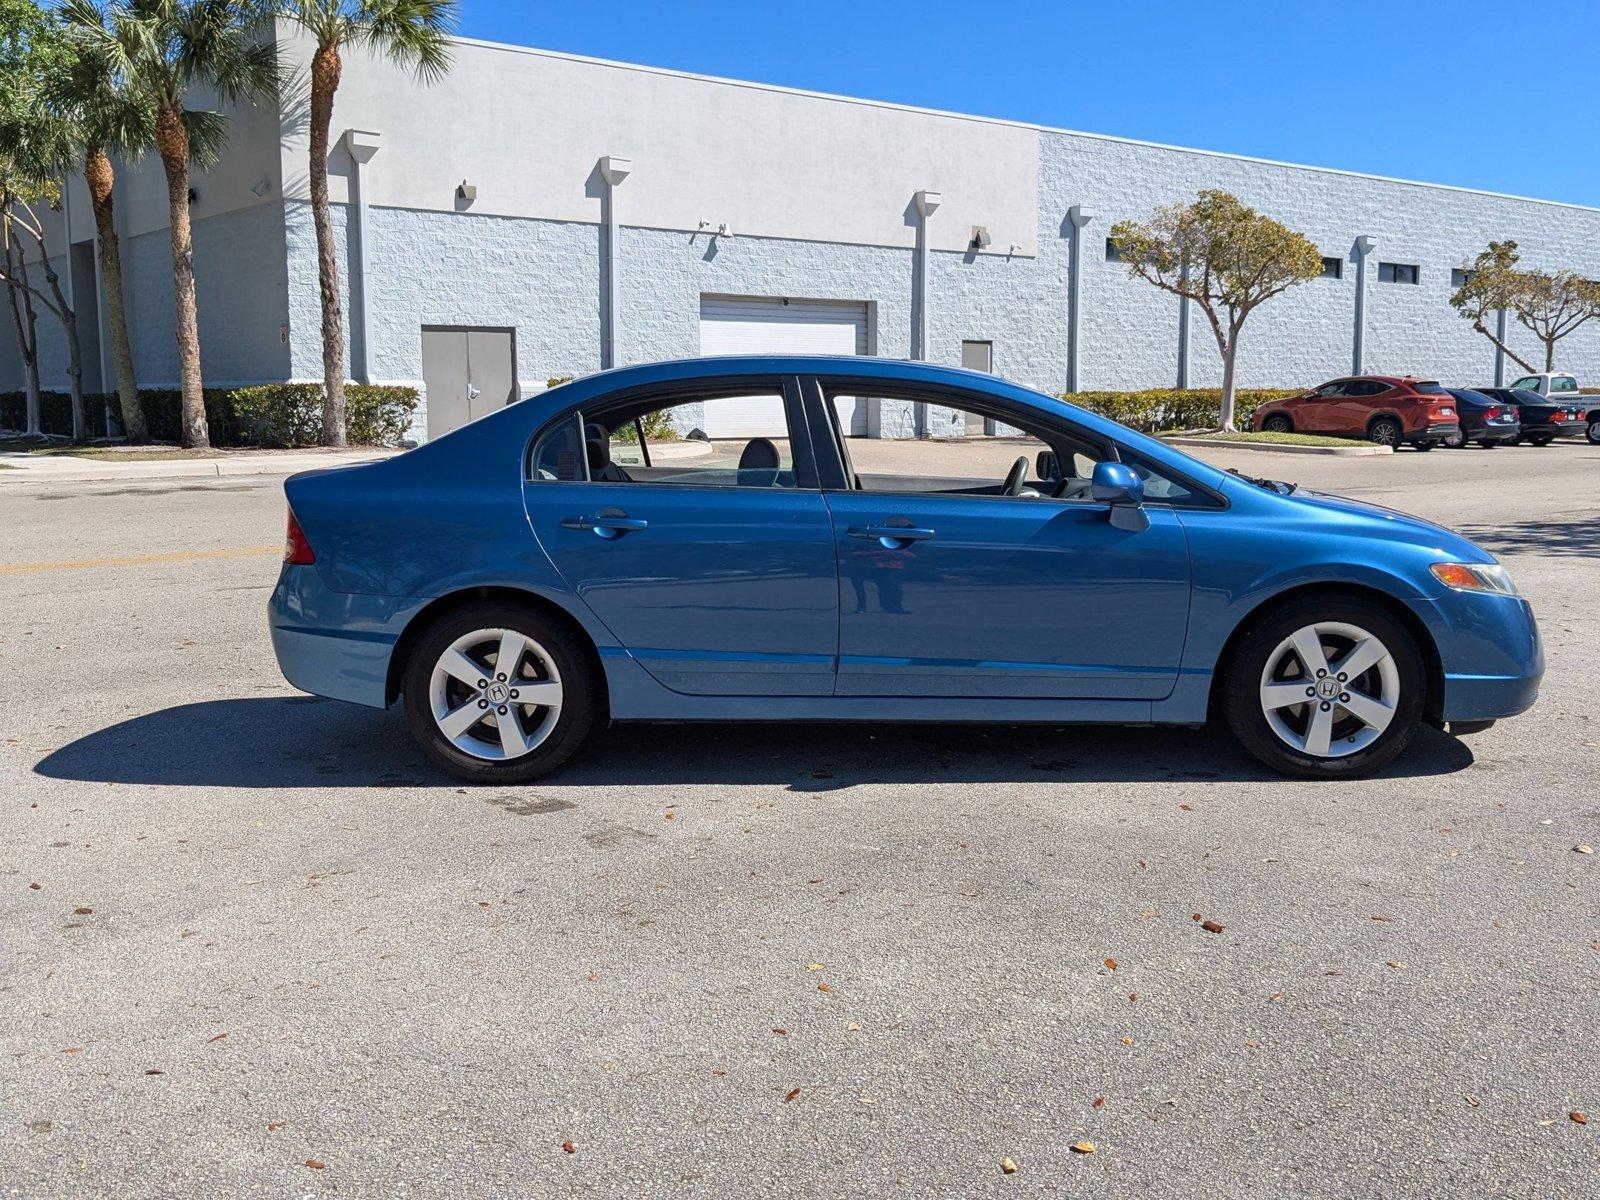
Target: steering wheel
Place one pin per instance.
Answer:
(1014, 477)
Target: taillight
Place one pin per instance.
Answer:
(1558, 415)
(1491, 414)
(296, 549)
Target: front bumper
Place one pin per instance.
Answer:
(1489, 650)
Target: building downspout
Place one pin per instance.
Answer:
(1183, 330)
(1499, 354)
(927, 204)
(613, 171)
(361, 146)
(1364, 246)
(1078, 216)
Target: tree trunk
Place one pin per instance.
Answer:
(1502, 347)
(325, 71)
(172, 140)
(22, 316)
(1229, 353)
(97, 173)
(69, 326)
(1549, 354)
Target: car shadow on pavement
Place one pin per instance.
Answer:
(304, 741)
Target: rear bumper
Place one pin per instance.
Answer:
(335, 644)
(1436, 432)
(1494, 433)
(1566, 429)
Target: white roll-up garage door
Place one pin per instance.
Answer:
(774, 325)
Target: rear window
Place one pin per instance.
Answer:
(1429, 387)
(1563, 383)
(1525, 397)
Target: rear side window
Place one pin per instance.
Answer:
(558, 454)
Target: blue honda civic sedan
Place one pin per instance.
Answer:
(855, 539)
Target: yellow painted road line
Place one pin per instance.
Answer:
(137, 560)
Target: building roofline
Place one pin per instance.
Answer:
(669, 72)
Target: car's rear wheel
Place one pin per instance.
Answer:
(499, 693)
(1325, 689)
(1277, 423)
(1542, 440)
(1456, 440)
(1593, 431)
(1386, 431)
(1488, 443)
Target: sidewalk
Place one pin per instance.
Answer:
(26, 468)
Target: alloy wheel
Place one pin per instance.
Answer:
(1329, 689)
(1385, 432)
(495, 694)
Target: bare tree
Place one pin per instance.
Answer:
(1225, 257)
(20, 219)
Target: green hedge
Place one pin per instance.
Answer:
(285, 415)
(1172, 408)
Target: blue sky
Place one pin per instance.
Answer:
(1468, 93)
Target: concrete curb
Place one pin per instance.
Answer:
(66, 469)
(1354, 450)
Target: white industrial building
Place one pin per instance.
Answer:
(537, 215)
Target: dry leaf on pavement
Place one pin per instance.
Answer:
(1007, 1167)
(1212, 926)
(793, 1092)
(1083, 1147)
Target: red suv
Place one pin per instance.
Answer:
(1386, 409)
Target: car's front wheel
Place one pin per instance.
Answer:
(1277, 423)
(1325, 688)
(1593, 431)
(499, 693)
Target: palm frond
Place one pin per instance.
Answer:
(208, 135)
(413, 33)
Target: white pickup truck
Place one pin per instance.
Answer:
(1563, 389)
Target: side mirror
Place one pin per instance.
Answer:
(1046, 466)
(1119, 485)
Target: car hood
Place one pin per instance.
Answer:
(1393, 525)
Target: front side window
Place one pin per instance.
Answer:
(700, 441)
(1027, 462)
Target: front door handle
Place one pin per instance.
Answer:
(609, 524)
(892, 537)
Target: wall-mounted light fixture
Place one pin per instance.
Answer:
(262, 186)
(980, 238)
(194, 197)
(466, 192)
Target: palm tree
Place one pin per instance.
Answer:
(158, 50)
(104, 117)
(410, 32)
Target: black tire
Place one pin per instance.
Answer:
(1489, 444)
(1593, 431)
(1386, 431)
(1423, 447)
(1277, 423)
(580, 699)
(1454, 441)
(1240, 702)
(1541, 440)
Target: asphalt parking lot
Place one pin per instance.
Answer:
(250, 944)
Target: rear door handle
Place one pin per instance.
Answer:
(892, 536)
(606, 524)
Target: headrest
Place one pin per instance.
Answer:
(759, 455)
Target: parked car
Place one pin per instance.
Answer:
(1542, 420)
(1557, 387)
(561, 563)
(1388, 409)
(1484, 420)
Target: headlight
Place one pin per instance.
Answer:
(1475, 577)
